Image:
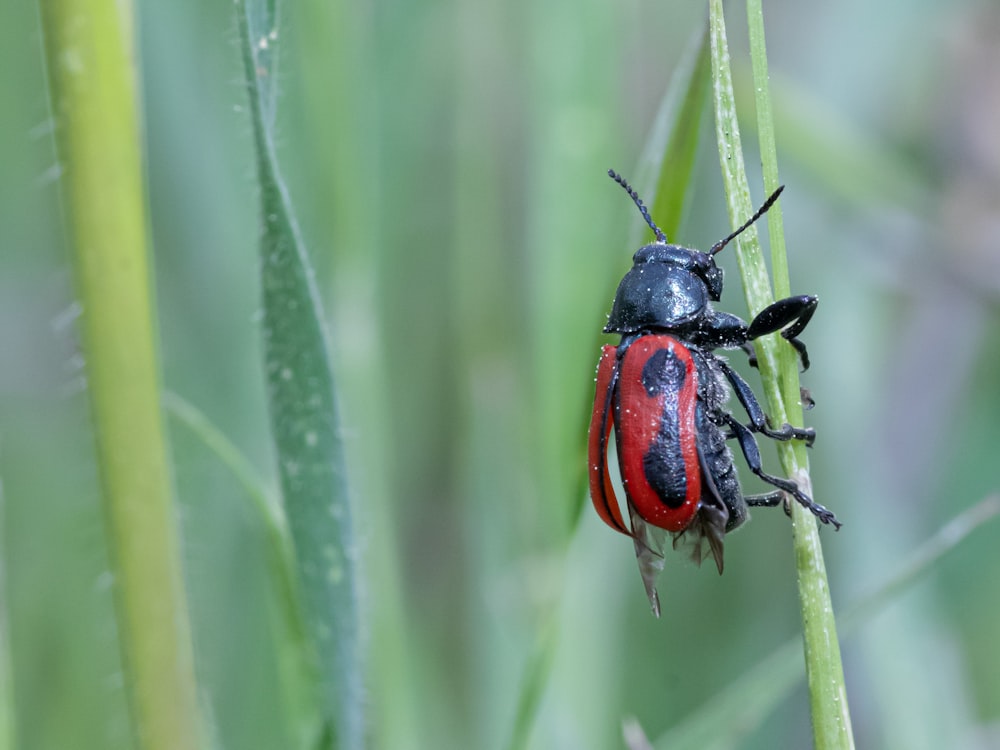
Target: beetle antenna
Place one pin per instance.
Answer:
(660, 236)
(760, 212)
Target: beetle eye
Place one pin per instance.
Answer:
(703, 262)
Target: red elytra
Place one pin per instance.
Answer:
(602, 494)
(654, 415)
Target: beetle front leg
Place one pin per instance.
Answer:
(758, 420)
(721, 330)
(752, 454)
(794, 310)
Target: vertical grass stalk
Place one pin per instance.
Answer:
(779, 373)
(90, 57)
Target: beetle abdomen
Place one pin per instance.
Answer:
(717, 459)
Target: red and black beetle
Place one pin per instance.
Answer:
(664, 391)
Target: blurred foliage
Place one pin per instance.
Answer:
(447, 160)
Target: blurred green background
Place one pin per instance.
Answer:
(447, 162)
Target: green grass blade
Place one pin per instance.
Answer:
(195, 420)
(304, 416)
(534, 681)
(294, 668)
(756, 284)
(668, 159)
(775, 226)
(730, 715)
(779, 373)
(89, 50)
(8, 728)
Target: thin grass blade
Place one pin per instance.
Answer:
(668, 158)
(303, 409)
(732, 714)
(297, 679)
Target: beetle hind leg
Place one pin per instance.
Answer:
(787, 432)
(752, 454)
(767, 500)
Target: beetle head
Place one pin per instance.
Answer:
(669, 286)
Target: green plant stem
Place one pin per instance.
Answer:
(92, 79)
(779, 373)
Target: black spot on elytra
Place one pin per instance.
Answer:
(664, 375)
(663, 372)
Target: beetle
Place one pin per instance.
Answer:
(664, 391)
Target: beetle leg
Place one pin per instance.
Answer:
(794, 310)
(767, 500)
(752, 454)
(758, 420)
(720, 330)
